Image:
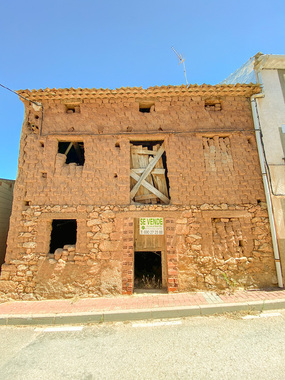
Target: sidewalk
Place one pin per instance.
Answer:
(137, 306)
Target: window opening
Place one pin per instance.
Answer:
(146, 107)
(74, 152)
(149, 181)
(63, 232)
(213, 105)
(148, 272)
(72, 108)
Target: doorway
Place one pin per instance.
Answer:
(148, 270)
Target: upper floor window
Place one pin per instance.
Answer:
(73, 150)
(149, 182)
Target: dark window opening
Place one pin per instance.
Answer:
(72, 108)
(213, 105)
(148, 273)
(155, 188)
(27, 203)
(63, 232)
(74, 152)
(146, 107)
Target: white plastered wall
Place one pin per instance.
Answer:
(271, 110)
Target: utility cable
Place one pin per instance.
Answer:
(31, 101)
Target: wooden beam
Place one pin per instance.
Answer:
(147, 171)
(141, 151)
(150, 188)
(68, 149)
(145, 197)
(155, 171)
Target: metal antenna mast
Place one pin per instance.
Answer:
(181, 60)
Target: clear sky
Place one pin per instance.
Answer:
(112, 43)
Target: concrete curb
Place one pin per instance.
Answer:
(139, 314)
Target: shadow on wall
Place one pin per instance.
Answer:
(6, 198)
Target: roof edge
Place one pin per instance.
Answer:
(137, 92)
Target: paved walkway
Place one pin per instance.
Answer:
(138, 306)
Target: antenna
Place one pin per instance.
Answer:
(181, 60)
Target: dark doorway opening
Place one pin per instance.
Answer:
(63, 232)
(148, 273)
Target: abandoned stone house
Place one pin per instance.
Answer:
(129, 188)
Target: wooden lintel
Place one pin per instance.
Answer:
(142, 151)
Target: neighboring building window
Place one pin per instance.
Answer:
(74, 151)
(281, 74)
(149, 182)
(63, 233)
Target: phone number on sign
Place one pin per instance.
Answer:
(146, 232)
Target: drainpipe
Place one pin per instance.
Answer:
(266, 188)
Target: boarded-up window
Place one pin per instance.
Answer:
(149, 182)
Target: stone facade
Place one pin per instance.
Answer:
(216, 230)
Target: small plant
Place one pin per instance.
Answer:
(148, 282)
(232, 284)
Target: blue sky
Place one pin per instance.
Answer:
(110, 44)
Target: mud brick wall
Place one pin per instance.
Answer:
(216, 225)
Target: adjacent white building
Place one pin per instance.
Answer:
(269, 111)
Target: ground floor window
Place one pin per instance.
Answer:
(64, 231)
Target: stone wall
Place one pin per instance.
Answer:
(208, 247)
(216, 225)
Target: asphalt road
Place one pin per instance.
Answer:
(224, 347)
